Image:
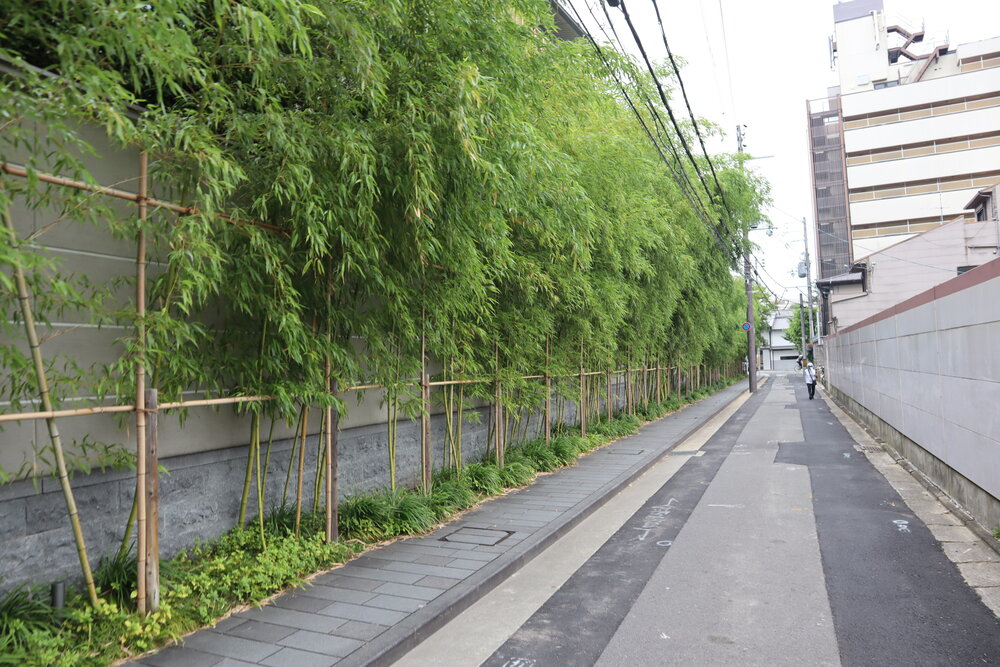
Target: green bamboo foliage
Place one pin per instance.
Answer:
(440, 167)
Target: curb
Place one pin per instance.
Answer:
(401, 638)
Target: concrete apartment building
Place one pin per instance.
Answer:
(905, 142)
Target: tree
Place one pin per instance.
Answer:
(795, 327)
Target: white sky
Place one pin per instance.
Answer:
(775, 56)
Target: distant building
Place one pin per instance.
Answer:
(908, 138)
(778, 352)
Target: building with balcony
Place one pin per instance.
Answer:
(909, 136)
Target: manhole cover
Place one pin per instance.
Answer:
(483, 536)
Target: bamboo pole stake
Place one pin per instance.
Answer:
(583, 397)
(425, 415)
(332, 499)
(497, 411)
(140, 396)
(608, 404)
(548, 395)
(301, 470)
(152, 504)
(43, 390)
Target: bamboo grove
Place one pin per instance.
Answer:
(358, 185)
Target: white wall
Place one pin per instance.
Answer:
(947, 204)
(932, 373)
(958, 86)
(942, 165)
(932, 128)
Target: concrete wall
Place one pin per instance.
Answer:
(925, 375)
(200, 494)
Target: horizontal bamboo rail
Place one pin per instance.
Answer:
(231, 400)
(130, 196)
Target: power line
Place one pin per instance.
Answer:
(679, 172)
(687, 102)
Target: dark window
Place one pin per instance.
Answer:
(981, 212)
(963, 269)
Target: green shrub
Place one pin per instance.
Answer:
(516, 474)
(541, 456)
(115, 577)
(412, 513)
(366, 518)
(22, 613)
(483, 478)
(567, 448)
(450, 496)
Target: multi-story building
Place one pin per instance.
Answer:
(908, 138)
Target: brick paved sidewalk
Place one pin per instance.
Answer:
(378, 606)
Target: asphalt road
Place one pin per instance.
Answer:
(777, 542)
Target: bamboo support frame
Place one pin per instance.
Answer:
(140, 199)
(548, 396)
(233, 400)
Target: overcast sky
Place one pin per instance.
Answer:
(756, 62)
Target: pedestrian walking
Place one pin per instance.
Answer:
(809, 375)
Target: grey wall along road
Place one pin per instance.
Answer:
(783, 559)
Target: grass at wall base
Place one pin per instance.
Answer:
(206, 582)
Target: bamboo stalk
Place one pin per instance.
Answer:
(255, 441)
(291, 457)
(582, 408)
(426, 464)
(548, 395)
(332, 498)
(301, 471)
(43, 389)
(318, 483)
(152, 572)
(498, 418)
(140, 388)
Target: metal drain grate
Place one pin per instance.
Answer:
(868, 448)
(626, 452)
(486, 537)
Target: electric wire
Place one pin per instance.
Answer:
(729, 253)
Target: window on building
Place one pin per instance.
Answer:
(963, 269)
(886, 84)
(981, 212)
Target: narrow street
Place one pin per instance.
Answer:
(768, 537)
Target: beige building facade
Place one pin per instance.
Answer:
(911, 134)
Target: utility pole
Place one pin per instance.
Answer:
(751, 315)
(809, 288)
(802, 326)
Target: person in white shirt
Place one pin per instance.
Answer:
(809, 375)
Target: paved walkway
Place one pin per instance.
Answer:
(380, 605)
